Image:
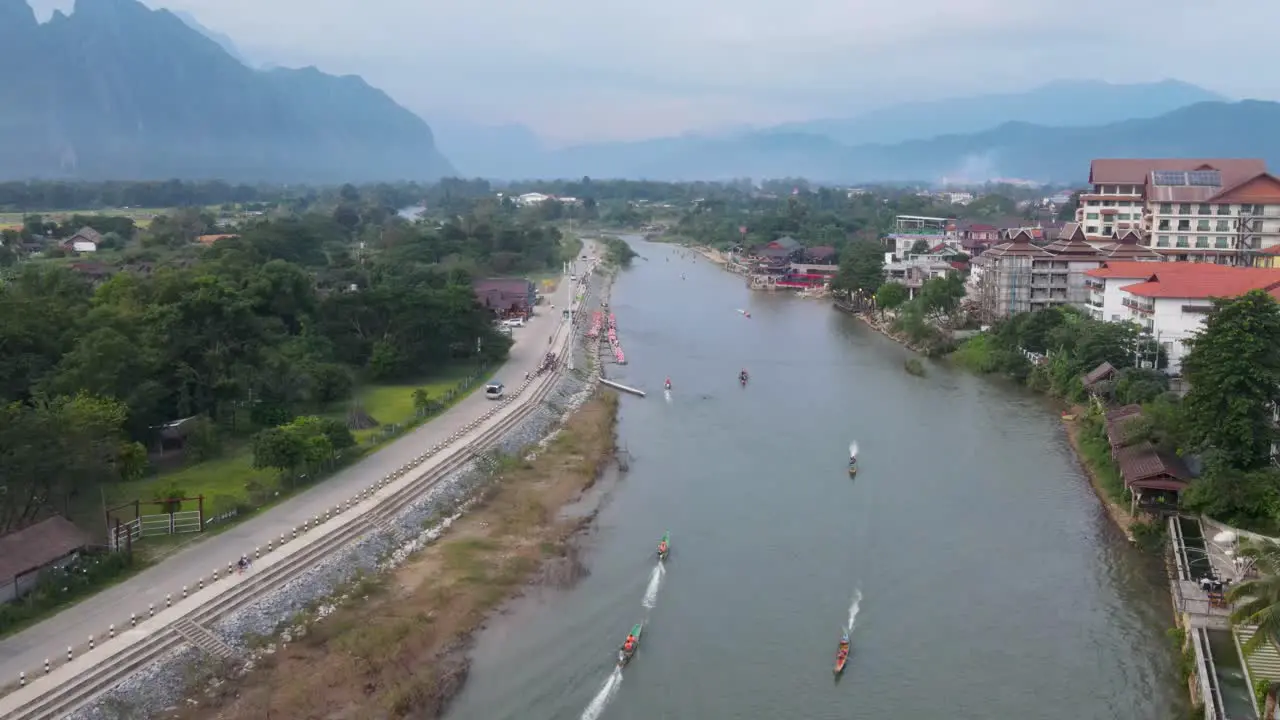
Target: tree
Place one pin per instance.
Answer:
(1257, 602)
(277, 448)
(940, 296)
(1233, 368)
(891, 295)
(861, 268)
(919, 247)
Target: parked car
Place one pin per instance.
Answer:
(513, 322)
(494, 390)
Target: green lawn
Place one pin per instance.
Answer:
(393, 404)
(231, 479)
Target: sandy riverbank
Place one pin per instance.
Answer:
(711, 254)
(400, 649)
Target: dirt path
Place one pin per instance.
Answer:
(400, 651)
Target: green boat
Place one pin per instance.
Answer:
(664, 545)
(629, 646)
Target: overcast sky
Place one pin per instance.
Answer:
(576, 70)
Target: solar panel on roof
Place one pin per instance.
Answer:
(1204, 178)
(1169, 177)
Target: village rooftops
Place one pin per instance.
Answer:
(1129, 247)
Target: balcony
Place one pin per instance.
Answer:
(1094, 301)
(1094, 284)
(1143, 306)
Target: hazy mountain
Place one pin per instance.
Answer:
(225, 42)
(1064, 103)
(492, 151)
(1021, 150)
(120, 91)
(790, 148)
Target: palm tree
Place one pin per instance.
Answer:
(1269, 708)
(1257, 602)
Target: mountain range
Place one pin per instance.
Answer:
(119, 91)
(116, 90)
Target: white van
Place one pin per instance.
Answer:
(494, 390)
(513, 323)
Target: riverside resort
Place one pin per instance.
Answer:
(582, 365)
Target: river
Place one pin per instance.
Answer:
(992, 583)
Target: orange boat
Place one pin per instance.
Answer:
(842, 655)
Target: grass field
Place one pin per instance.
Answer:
(231, 480)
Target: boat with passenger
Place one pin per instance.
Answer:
(842, 654)
(629, 646)
(664, 545)
(743, 377)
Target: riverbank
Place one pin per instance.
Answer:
(1118, 514)
(401, 649)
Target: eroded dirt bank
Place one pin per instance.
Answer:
(399, 650)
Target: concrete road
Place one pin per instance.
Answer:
(28, 649)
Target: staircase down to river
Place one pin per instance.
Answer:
(1264, 663)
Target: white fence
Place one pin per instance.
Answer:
(184, 521)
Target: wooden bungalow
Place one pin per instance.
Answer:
(1098, 380)
(1154, 478)
(1115, 421)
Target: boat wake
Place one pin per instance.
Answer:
(853, 610)
(853, 449)
(655, 584)
(604, 697)
(666, 394)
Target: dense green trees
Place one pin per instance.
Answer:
(259, 332)
(1226, 418)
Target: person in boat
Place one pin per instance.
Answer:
(668, 383)
(630, 644)
(662, 546)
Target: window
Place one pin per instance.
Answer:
(1162, 241)
(1184, 209)
(1202, 224)
(1091, 229)
(1246, 209)
(1091, 216)
(1182, 241)
(1184, 225)
(1221, 243)
(1166, 208)
(1202, 241)
(1204, 209)
(1122, 216)
(1092, 203)
(1164, 225)
(1108, 203)
(1223, 226)
(1106, 230)
(1123, 203)
(1224, 209)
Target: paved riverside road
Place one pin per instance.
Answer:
(27, 650)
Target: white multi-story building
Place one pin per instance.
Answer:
(1170, 305)
(1194, 216)
(1221, 211)
(1106, 282)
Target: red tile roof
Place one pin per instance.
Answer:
(1204, 280)
(1273, 250)
(1134, 171)
(1124, 269)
